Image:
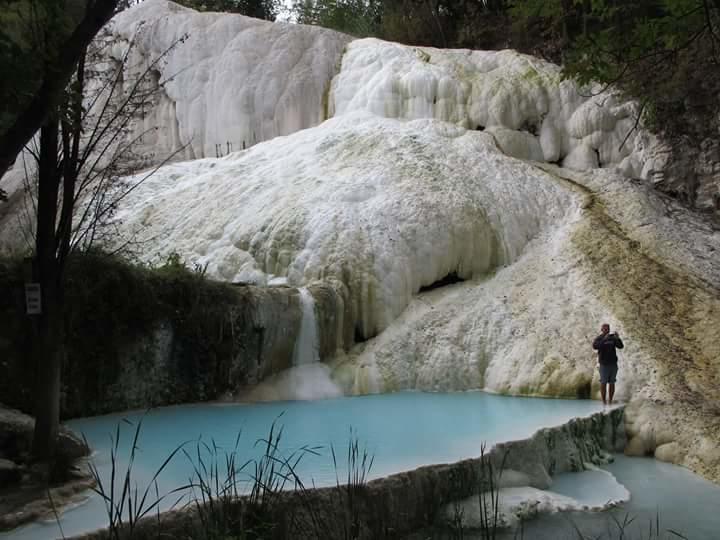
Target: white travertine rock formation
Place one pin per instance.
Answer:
(240, 81)
(534, 112)
(223, 82)
(388, 206)
(233, 79)
(384, 206)
(399, 189)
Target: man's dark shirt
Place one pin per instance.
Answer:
(605, 345)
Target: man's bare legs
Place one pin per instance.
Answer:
(611, 392)
(602, 392)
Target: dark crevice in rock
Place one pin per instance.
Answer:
(531, 128)
(450, 279)
(584, 390)
(359, 336)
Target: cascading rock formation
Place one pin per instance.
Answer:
(386, 168)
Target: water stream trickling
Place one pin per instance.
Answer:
(306, 347)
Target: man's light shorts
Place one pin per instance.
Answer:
(608, 372)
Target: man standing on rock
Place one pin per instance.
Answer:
(605, 344)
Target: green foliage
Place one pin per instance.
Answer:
(31, 34)
(112, 305)
(360, 18)
(439, 23)
(125, 503)
(663, 52)
(260, 9)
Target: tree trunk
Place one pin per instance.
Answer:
(48, 355)
(48, 349)
(565, 10)
(47, 96)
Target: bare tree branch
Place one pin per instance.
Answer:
(57, 76)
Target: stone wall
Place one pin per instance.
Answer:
(160, 368)
(257, 342)
(164, 336)
(402, 503)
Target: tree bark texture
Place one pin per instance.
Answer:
(49, 345)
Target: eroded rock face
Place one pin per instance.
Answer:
(690, 172)
(532, 112)
(334, 317)
(265, 325)
(156, 370)
(233, 82)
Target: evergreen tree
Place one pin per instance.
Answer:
(40, 43)
(663, 52)
(260, 9)
(359, 18)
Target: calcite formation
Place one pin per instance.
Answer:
(386, 170)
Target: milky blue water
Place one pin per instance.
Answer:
(664, 495)
(402, 431)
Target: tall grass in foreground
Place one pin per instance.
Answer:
(489, 499)
(359, 463)
(264, 498)
(125, 503)
(618, 530)
(488, 502)
(273, 501)
(234, 500)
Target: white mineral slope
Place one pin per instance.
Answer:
(226, 79)
(523, 101)
(17, 214)
(229, 82)
(627, 257)
(233, 78)
(387, 206)
(382, 205)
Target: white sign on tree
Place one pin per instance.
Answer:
(33, 297)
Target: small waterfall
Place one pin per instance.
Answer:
(307, 346)
(308, 378)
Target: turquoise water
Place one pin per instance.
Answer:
(402, 431)
(680, 500)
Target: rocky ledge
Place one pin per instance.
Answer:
(25, 494)
(410, 501)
